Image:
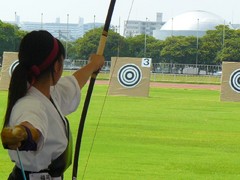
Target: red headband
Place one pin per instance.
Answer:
(36, 70)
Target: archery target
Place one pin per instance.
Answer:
(129, 75)
(234, 81)
(230, 86)
(12, 67)
(8, 65)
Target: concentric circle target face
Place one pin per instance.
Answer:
(12, 67)
(234, 81)
(129, 75)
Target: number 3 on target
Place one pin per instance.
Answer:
(146, 62)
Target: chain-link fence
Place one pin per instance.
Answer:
(197, 69)
(164, 68)
(168, 72)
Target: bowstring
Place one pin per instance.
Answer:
(104, 100)
(21, 165)
(98, 122)
(128, 17)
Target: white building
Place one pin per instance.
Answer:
(192, 23)
(89, 26)
(135, 27)
(63, 31)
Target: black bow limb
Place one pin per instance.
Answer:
(100, 51)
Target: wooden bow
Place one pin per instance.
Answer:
(100, 51)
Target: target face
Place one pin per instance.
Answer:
(12, 67)
(234, 81)
(129, 75)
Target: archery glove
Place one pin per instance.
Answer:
(13, 137)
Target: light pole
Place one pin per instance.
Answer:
(16, 18)
(145, 39)
(41, 20)
(197, 46)
(67, 37)
(223, 38)
(16, 24)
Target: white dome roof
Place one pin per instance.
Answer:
(194, 20)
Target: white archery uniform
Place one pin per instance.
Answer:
(38, 110)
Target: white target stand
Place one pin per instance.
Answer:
(130, 76)
(230, 86)
(8, 64)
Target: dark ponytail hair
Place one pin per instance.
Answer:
(34, 49)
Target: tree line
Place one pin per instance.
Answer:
(10, 37)
(220, 44)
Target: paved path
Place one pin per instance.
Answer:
(186, 86)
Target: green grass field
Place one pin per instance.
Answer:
(173, 134)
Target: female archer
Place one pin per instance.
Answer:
(38, 101)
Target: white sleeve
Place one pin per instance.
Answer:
(67, 94)
(34, 113)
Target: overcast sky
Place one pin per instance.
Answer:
(31, 10)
